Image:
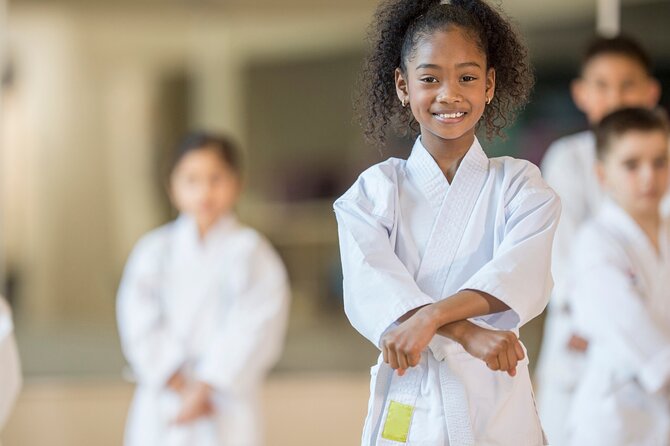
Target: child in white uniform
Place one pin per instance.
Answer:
(446, 254)
(615, 73)
(619, 292)
(10, 369)
(202, 309)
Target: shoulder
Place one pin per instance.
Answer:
(151, 247)
(376, 188)
(251, 244)
(521, 179)
(154, 240)
(568, 150)
(595, 243)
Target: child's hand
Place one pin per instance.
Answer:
(500, 350)
(578, 344)
(402, 345)
(177, 383)
(195, 403)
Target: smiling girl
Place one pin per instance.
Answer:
(446, 254)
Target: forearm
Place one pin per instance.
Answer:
(460, 307)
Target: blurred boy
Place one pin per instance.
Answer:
(620, 277)
(615, 73)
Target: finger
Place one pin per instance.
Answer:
(385, 353)
(512, 372)
(493, 363)
(502, 359)
(519, 350)
(414, 359)
(402, 361)
(511, 357)
(393, 358)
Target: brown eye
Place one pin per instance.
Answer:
(630, 165)
(661, 163)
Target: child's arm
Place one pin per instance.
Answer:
(251, 336)
(610, 308)
(518, 277)
(153, 350)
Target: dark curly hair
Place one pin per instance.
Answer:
(398, 27)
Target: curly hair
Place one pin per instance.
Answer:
(398, 28)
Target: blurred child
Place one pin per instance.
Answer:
(446, 254)
(615, 73)
(10, 369)
(619, 292)
(202, 309)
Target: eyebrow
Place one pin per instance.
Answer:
(460, 65)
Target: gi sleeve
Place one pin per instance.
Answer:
(378, 288)
(611, 310)
(250, 341)
(10, 369)
(152, 348)
(555, 168)
(519, 274)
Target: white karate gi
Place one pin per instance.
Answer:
(568, 167)
(409, 238)
(10, 368)
(215, 309)
(621, 299)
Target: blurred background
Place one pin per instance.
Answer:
(95, 95)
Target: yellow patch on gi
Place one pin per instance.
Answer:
(397, 422)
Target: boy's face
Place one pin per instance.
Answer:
(204, 186)
(635, 171)
(611, 81)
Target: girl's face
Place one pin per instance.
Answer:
(635, 171)
(204, 186)
(447, 84)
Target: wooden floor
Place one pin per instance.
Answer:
(300, 410)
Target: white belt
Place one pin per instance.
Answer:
(402, 392)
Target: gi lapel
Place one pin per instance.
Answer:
(451, 221)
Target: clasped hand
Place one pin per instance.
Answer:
(402, 345)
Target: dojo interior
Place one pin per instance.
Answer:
(94, 96)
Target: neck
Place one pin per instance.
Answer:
(650, 224)
(449, 155)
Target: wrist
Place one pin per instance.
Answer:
(456, 331)
(428, 317)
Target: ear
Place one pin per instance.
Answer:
(578, 93)
(490, 82)
(401, 86)
(654, 92)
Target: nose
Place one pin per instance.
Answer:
(647, 175)
(449, 93)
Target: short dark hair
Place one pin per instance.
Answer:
(626, 120)
(398, 27)
(621, 45)
(199, 140)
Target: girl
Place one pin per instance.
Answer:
(202, 309)
(10, 368)
(619, 292)
(445, 255)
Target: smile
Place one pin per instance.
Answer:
(449, 115)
